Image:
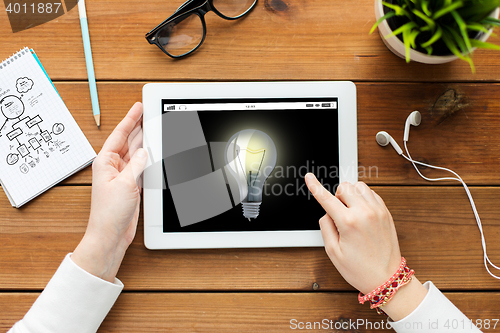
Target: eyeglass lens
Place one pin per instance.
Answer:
(233, 8)
(182, 35)
(186, 32)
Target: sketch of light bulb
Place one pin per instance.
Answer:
(250, 156)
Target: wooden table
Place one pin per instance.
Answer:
(250, 290)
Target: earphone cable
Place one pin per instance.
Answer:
(469, 195)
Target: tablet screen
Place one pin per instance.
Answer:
(239, 165)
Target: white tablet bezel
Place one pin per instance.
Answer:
(153, 93)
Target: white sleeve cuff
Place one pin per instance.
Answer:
(73, 301)
(436, 313)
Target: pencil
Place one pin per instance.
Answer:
(89, 61)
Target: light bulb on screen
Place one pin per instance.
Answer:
(251, 157)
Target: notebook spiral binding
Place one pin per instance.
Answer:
(14, 57)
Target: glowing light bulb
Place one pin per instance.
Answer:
(251, 157)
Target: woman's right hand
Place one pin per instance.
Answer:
(361, 241)
(359, 233)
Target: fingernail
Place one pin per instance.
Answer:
(141, 153)
(310, 176)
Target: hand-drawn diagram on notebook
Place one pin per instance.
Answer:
(30, 138)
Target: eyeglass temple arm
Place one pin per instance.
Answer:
(184, 5)
(181, 8)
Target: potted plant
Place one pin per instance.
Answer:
(436, 31)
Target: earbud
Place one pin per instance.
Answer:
(413, 119)
(383, 138)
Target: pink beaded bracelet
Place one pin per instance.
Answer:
(384, 293)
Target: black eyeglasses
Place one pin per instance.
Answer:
(184, 31)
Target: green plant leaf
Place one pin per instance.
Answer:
(471, 64)
(477, 27)
(447, 9)
(484, 45)
(463, 30)
(405, 27)
(451, 21)
(451, 44)
(459, 40)
(477, 11)
(406, 41)
(412, 36)
(434, 38)
(385, 17)
(400, 11)
(453, 48)
(430, 22)
(425, 8)
(490, 21)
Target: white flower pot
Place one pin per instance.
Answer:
(398, 48)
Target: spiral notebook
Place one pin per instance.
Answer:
(40, 142)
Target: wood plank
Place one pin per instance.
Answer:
(436, 229)
(292, 40)
(459, 127)
(243, 312)
(114, 99)
(458, 131)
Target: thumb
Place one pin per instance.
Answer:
(330, 235)
(135, 166)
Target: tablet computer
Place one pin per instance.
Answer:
(227, 161)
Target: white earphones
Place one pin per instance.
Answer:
(413, 119)
(383, 138)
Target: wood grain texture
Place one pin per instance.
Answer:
(436, 229)
(458, 131)
(115, 99)
(241, 312)
(459, 127)
(279, 40)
